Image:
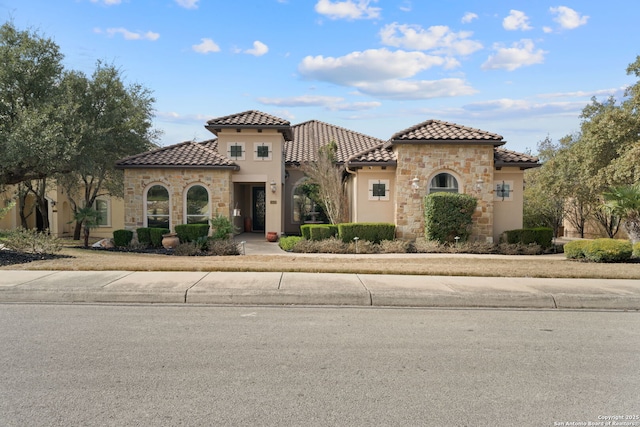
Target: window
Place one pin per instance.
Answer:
(236, 150)
(503, 191)
(102, 207)
(378, 189)
(157, 207)
(263, 151)
(197, 205)
(443, 182)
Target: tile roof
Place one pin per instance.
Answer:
(309, 136)
(187, 154)
(503, 157)
(439, 131)
(375, 155)
(250, 119)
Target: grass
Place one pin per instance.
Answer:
(421, 264)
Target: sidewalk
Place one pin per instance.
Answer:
(315, 289)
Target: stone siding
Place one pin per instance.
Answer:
(137, 181)
(467, 163)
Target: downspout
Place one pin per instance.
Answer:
(354, 198)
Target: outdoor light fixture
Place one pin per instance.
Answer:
(415, 186)
(273, 186)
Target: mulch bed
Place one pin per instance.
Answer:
(8, 257)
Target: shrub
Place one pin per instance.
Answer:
(575, 249)
(608, 250)
(223, 247)
(395, 247)
(287, 243)
(122, 238)
(305, 230)
(636, 250)
(187, 249)
(366, 231)
(144, 235)
(156, 236)
(32, 241)
(322, 231)
(191, 232)
(425, 246)
(542, 236)
(447, 215)
(332, 246)
(222, 227)
(519, 249)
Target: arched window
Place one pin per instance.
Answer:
(197, 205)
(443, 182)
(158, 207)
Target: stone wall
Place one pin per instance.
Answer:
(467, 163)
(137, 181)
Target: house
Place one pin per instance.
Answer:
(250, 172)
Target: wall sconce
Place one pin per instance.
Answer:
(415, 186)
(273, 187)
(53, 203)
(479, 185)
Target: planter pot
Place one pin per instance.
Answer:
(272, 236)
(170, 240)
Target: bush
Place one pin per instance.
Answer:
(187, 249)
(122, 238)
(223, 247)
(608, 250)
(575, 249)
(305, 230)
(542, 236)
(32, 241)
(371, 232)
(395, 247)
(287, 243)
(191, 232)
(447, 215)
(144, 236)
(636, 250)
(222, 227)
(156, 236)
(322, 231)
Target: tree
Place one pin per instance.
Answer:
(113, 121)
(32, 143)
(329, 176)
(625, 202)
(90, 218)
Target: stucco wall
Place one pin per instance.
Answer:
(137, 181)
(468, 163)
(366, 210)
(507, 213)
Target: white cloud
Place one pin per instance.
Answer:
(188, 4)
(348, 9)
(586, 94)
(507, 107)
(207, 46)
(333, 103)
(129, 35)
(468, 17)
(568, 18)
(406, 6)
(416, 89)
(547, 30)
(516, 20)
(438, 38)
(107, 2)
(511, 58)
(368, 66)
(258, 49)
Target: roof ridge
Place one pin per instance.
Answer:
(338, 127)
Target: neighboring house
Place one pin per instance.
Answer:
(251, 172)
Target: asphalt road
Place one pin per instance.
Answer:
(64, 365)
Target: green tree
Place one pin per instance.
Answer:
(32, 141)
(625, 202)
(89, 218)
(113, 120)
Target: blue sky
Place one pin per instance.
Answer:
(520, 68)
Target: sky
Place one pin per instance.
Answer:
(520, 68)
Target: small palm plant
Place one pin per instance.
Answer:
(89, 218)
(625, 202)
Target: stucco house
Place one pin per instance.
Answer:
(250, 172)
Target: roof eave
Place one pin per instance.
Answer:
(156, 166)
(284, 129)
(520, 165)
(495, 143)
(373, 163)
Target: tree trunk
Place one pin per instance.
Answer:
(77, 230)
(632, 227)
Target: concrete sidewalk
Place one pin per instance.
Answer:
(315, 289)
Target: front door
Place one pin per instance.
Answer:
(259, 208)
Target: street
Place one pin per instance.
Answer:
(63, 365)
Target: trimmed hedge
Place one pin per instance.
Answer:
(191, 232)
(305, 231)
(542, 236)
(288, 242)
(447, 215)
(156, 236)
(144, 235)
(366, 231)
(599, 250)
(322, 231)
(122, 238)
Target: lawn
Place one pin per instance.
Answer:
(422, 264)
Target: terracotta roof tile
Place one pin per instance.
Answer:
(186, 154)
(379, 154)
(436, 130)
(309, 136)
(251, 119)
(503, 157)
